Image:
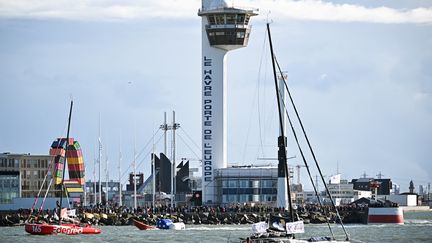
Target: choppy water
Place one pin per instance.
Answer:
(417, 228)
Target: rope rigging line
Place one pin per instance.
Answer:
(257, 97)
(304, 160)
(142, 150)
(43, 201)
(40, 189)
(181, 138)
(190, 138)
(312, 153)
(142, 160)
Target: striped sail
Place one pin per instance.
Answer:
(75, 163)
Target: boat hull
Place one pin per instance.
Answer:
(68, 229)
(385, 216)
(286, 240)
(143, 226)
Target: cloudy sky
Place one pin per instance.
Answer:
(360, 73)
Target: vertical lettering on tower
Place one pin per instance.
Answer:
(207, 165)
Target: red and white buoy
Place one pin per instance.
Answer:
(392, 215)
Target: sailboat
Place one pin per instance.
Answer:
(284, 229)
(61, 150)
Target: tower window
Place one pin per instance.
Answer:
(240, 18)
(211, 19)
(230, 19)
(219, 19)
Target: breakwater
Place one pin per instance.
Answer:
(117, 216)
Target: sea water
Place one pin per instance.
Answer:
(417, 228)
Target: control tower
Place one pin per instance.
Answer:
(223, 29)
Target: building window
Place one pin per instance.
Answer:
(232, 198)
(230, 19)
(244, 198)
(244, 183)
(220, 20)
(240, 18)
(211, 19)
(240, 35)
(269, 184)
(233, 183)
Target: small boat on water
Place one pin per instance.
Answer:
(61, 150)
(166, 224)
(68, 229)
(142, 226)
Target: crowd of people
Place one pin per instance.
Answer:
(113, 214)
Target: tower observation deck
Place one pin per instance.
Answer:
(227, 27)
(223, 29)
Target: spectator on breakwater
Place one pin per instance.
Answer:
(112, 214)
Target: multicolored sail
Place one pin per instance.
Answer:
(75, 163)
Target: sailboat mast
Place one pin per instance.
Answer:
(100, 161)
(119, 174)
(153, 173)
(85, 188)
(134, 174)
(106, 179)
(64, 164)
(94, 179)
(173, 179)
(281, 139)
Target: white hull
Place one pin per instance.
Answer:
(282, 240)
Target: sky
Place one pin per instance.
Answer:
(359, 72)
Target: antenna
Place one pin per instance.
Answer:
(337, 167)
(380, 175)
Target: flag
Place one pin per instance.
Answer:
(71, 213)
(294, 227)
(260, 227)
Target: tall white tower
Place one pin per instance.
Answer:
(223, 29)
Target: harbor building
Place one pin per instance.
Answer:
(247, 184)
(383, 186)
(224, 29)
(343, 192)
(22, 175)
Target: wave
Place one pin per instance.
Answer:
(418, 221)
(230, 228)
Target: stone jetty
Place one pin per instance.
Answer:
(237, 214)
